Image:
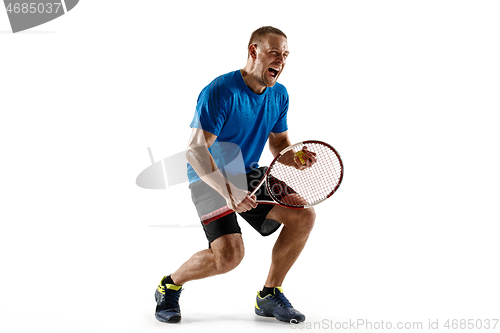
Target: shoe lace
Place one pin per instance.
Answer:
(171, 299)
(281, 300)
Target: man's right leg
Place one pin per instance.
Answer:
(225, 253)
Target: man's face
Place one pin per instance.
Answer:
(272, 53)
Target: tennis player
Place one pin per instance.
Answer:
(246, 107)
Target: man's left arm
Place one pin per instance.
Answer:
(279, 141)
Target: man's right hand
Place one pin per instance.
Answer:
(240, 201)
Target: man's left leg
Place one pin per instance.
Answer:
(297, 226)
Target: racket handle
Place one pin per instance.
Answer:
(217, 214)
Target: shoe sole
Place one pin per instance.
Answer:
(262, 313)
(174, 319)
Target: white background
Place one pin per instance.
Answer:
(407, 91)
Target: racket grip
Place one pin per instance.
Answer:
(217, 214)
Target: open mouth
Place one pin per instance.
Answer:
(273, 72)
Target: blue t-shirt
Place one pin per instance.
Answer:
(228, 109)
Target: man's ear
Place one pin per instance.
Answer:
(252, 51)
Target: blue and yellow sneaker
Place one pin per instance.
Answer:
(167, 302)
(277, 306)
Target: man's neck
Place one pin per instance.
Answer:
(252, 82)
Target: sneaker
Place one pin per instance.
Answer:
(167, 302)
(277, 306)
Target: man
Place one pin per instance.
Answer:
(246, 108)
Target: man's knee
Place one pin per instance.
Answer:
(309, 217)
(300, 219)
(229, 252)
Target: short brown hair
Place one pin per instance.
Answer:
(263, 31)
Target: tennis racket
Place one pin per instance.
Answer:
(297, 188)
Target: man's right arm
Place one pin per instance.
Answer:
(203, 163)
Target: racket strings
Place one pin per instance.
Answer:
(293, 187)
